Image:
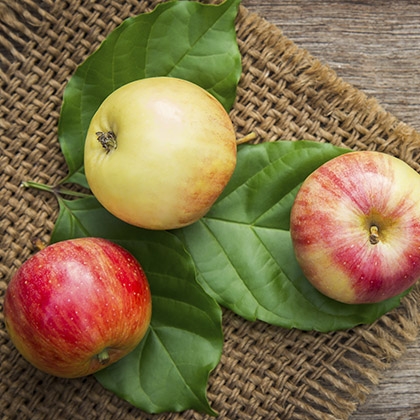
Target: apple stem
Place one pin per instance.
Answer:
(374, 234)
(247, 138)
(103, 357)
(108, 140)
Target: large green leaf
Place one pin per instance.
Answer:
(243, 251)
(169, 370)
(183, 39)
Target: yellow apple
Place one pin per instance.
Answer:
(159, 151)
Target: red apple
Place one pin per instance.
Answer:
(77, 306)
(355, 227)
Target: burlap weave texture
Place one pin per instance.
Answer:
(284, 94)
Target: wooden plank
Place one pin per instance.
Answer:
(374, 45)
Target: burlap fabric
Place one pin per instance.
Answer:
(265, 372)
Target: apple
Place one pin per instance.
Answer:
(355, 227)
(158, 152)
(77, 306)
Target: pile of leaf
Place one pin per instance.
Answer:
(239, 255)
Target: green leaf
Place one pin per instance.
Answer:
(169, 369)
(243, 251)
(183, 39)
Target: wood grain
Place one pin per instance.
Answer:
(374, 45)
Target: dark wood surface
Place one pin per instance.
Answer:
(374, 45)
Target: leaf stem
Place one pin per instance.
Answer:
(38, 186)
(53, 190)
(73, 193)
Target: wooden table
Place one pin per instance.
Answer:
(374, 45)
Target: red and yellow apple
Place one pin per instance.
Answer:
(159, 151)
(77, 306)
(355, 227)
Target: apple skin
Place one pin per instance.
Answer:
(77, 306)
(355, 227)
(173, 152)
